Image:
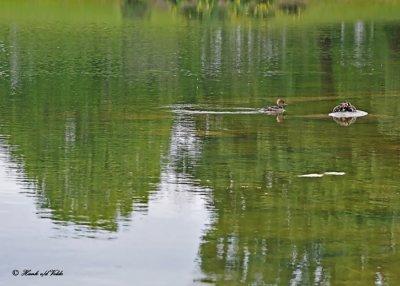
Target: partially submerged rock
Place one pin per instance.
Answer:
(348, 114)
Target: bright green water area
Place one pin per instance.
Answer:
(109, 172)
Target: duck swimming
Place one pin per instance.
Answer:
(275, 109)
(344, 107)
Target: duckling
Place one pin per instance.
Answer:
(344, 107)
(276, 109)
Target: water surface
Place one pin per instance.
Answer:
(132, 148)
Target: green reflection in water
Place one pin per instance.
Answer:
(272, 226)
(82, 115)
(84, 136)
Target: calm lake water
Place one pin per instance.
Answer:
(132, 152)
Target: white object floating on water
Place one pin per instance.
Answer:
(311, 176)
(321, 175)
(347, 114)
(335, 173)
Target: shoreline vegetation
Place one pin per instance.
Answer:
(271, 11)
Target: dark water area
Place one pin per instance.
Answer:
(132, 147)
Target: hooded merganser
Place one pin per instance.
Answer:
(276, 109)
(344, 107)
